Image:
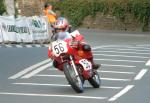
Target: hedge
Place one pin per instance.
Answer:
(2, 7)
(77, 10)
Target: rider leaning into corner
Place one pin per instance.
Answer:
(61, 27)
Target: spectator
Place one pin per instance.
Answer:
(49, 13)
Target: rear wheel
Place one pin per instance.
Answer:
(74, 81)
(95, 80)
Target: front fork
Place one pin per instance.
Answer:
(74, 67)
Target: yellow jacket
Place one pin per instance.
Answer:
(51, 16)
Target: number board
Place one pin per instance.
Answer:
(59, 47)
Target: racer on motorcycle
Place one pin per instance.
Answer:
(61, 27)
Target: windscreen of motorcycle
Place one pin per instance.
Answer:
(64, 36)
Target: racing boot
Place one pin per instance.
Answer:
(96, 66)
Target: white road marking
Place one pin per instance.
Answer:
(144, 45)
(120, 60)
(53, 69)
(46, 45)
(63, 76)
(119, 72)
(121, 56)
(122, 92)
(52, 95)
(124, 49)
(148, 63)
(21, 73)
(128, 66)
(28, 46)
(19, 46)
(139, 48)
(98, 47)
(115, 79)
(140, 74)
(45, 75)
(104, 46)
(108, 87)
(102, 71)
(8, 46)
(36, 71)
(110, 65)
(94, 48)
(37, 45)
(63, 85)
(121, 52)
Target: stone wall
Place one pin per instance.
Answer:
(107, 22)
(30, 7)
(10, 7)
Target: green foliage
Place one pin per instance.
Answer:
(118, 11)
(100, 6)
(2, 7)
(141, 10)
(77, 10)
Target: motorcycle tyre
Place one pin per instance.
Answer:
(95, 80)
(68, 70)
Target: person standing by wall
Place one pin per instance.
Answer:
(51, 15)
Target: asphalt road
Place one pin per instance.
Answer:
(26, 74)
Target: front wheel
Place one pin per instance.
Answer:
(74, 81)
(95, 80)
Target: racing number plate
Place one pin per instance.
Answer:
(86, 64)
(59, 47)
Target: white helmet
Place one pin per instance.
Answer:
(61, 24)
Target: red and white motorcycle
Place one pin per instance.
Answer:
(74, 62)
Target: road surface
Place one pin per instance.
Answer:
(27, 75)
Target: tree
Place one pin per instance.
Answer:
(2, 7)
